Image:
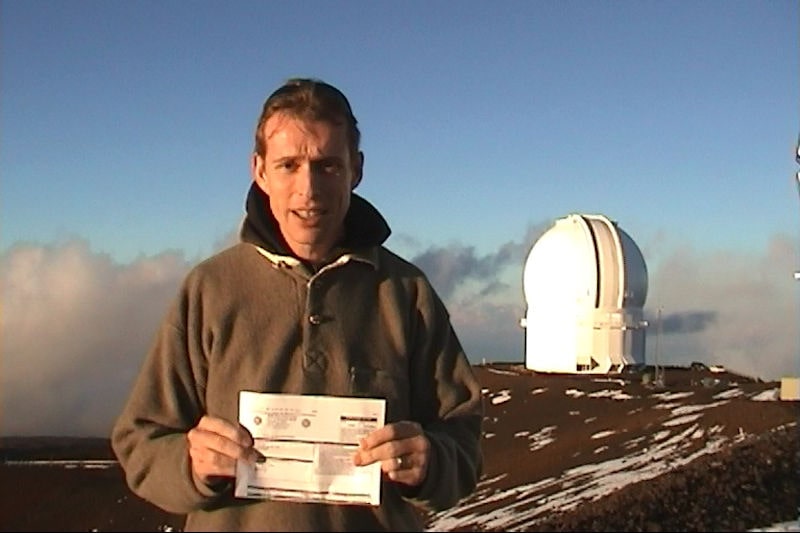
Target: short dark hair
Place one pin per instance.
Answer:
(312, 99)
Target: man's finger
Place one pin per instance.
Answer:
(215, 436)
(396, 431)
(237, 433)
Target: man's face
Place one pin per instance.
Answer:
(308, 173)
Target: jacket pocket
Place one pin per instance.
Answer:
(368, 382)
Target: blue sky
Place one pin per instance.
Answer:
(126, 129)
(130, 123)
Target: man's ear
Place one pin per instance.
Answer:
(358, 170)
(257, 172)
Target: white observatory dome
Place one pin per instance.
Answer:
(585, 284)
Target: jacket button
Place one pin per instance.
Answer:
(315, 319)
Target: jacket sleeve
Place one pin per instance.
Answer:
(447, 401)
(167, 399)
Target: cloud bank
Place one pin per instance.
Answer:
(75, 325)
(736, 309)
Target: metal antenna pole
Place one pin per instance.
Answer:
(797, 180)
(657, 377)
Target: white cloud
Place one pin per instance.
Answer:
(75, 328)
(725, 307)
(753, 297)
(76, 325)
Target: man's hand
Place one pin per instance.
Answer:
(215, 445)
(402, 449)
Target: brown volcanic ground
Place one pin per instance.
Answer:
(702, 452)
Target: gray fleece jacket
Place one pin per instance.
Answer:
(253, 317)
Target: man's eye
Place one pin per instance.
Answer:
(287, 166)
(332, 168)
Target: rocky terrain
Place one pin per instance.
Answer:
(750, 485)
(683, 449)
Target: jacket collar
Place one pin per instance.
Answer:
(365, 228)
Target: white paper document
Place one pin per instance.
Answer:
(309, 443)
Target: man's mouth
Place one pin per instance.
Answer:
(309, 214)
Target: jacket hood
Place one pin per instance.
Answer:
(364, 226)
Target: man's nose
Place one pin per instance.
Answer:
(307, 181)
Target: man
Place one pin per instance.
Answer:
(309, 302)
